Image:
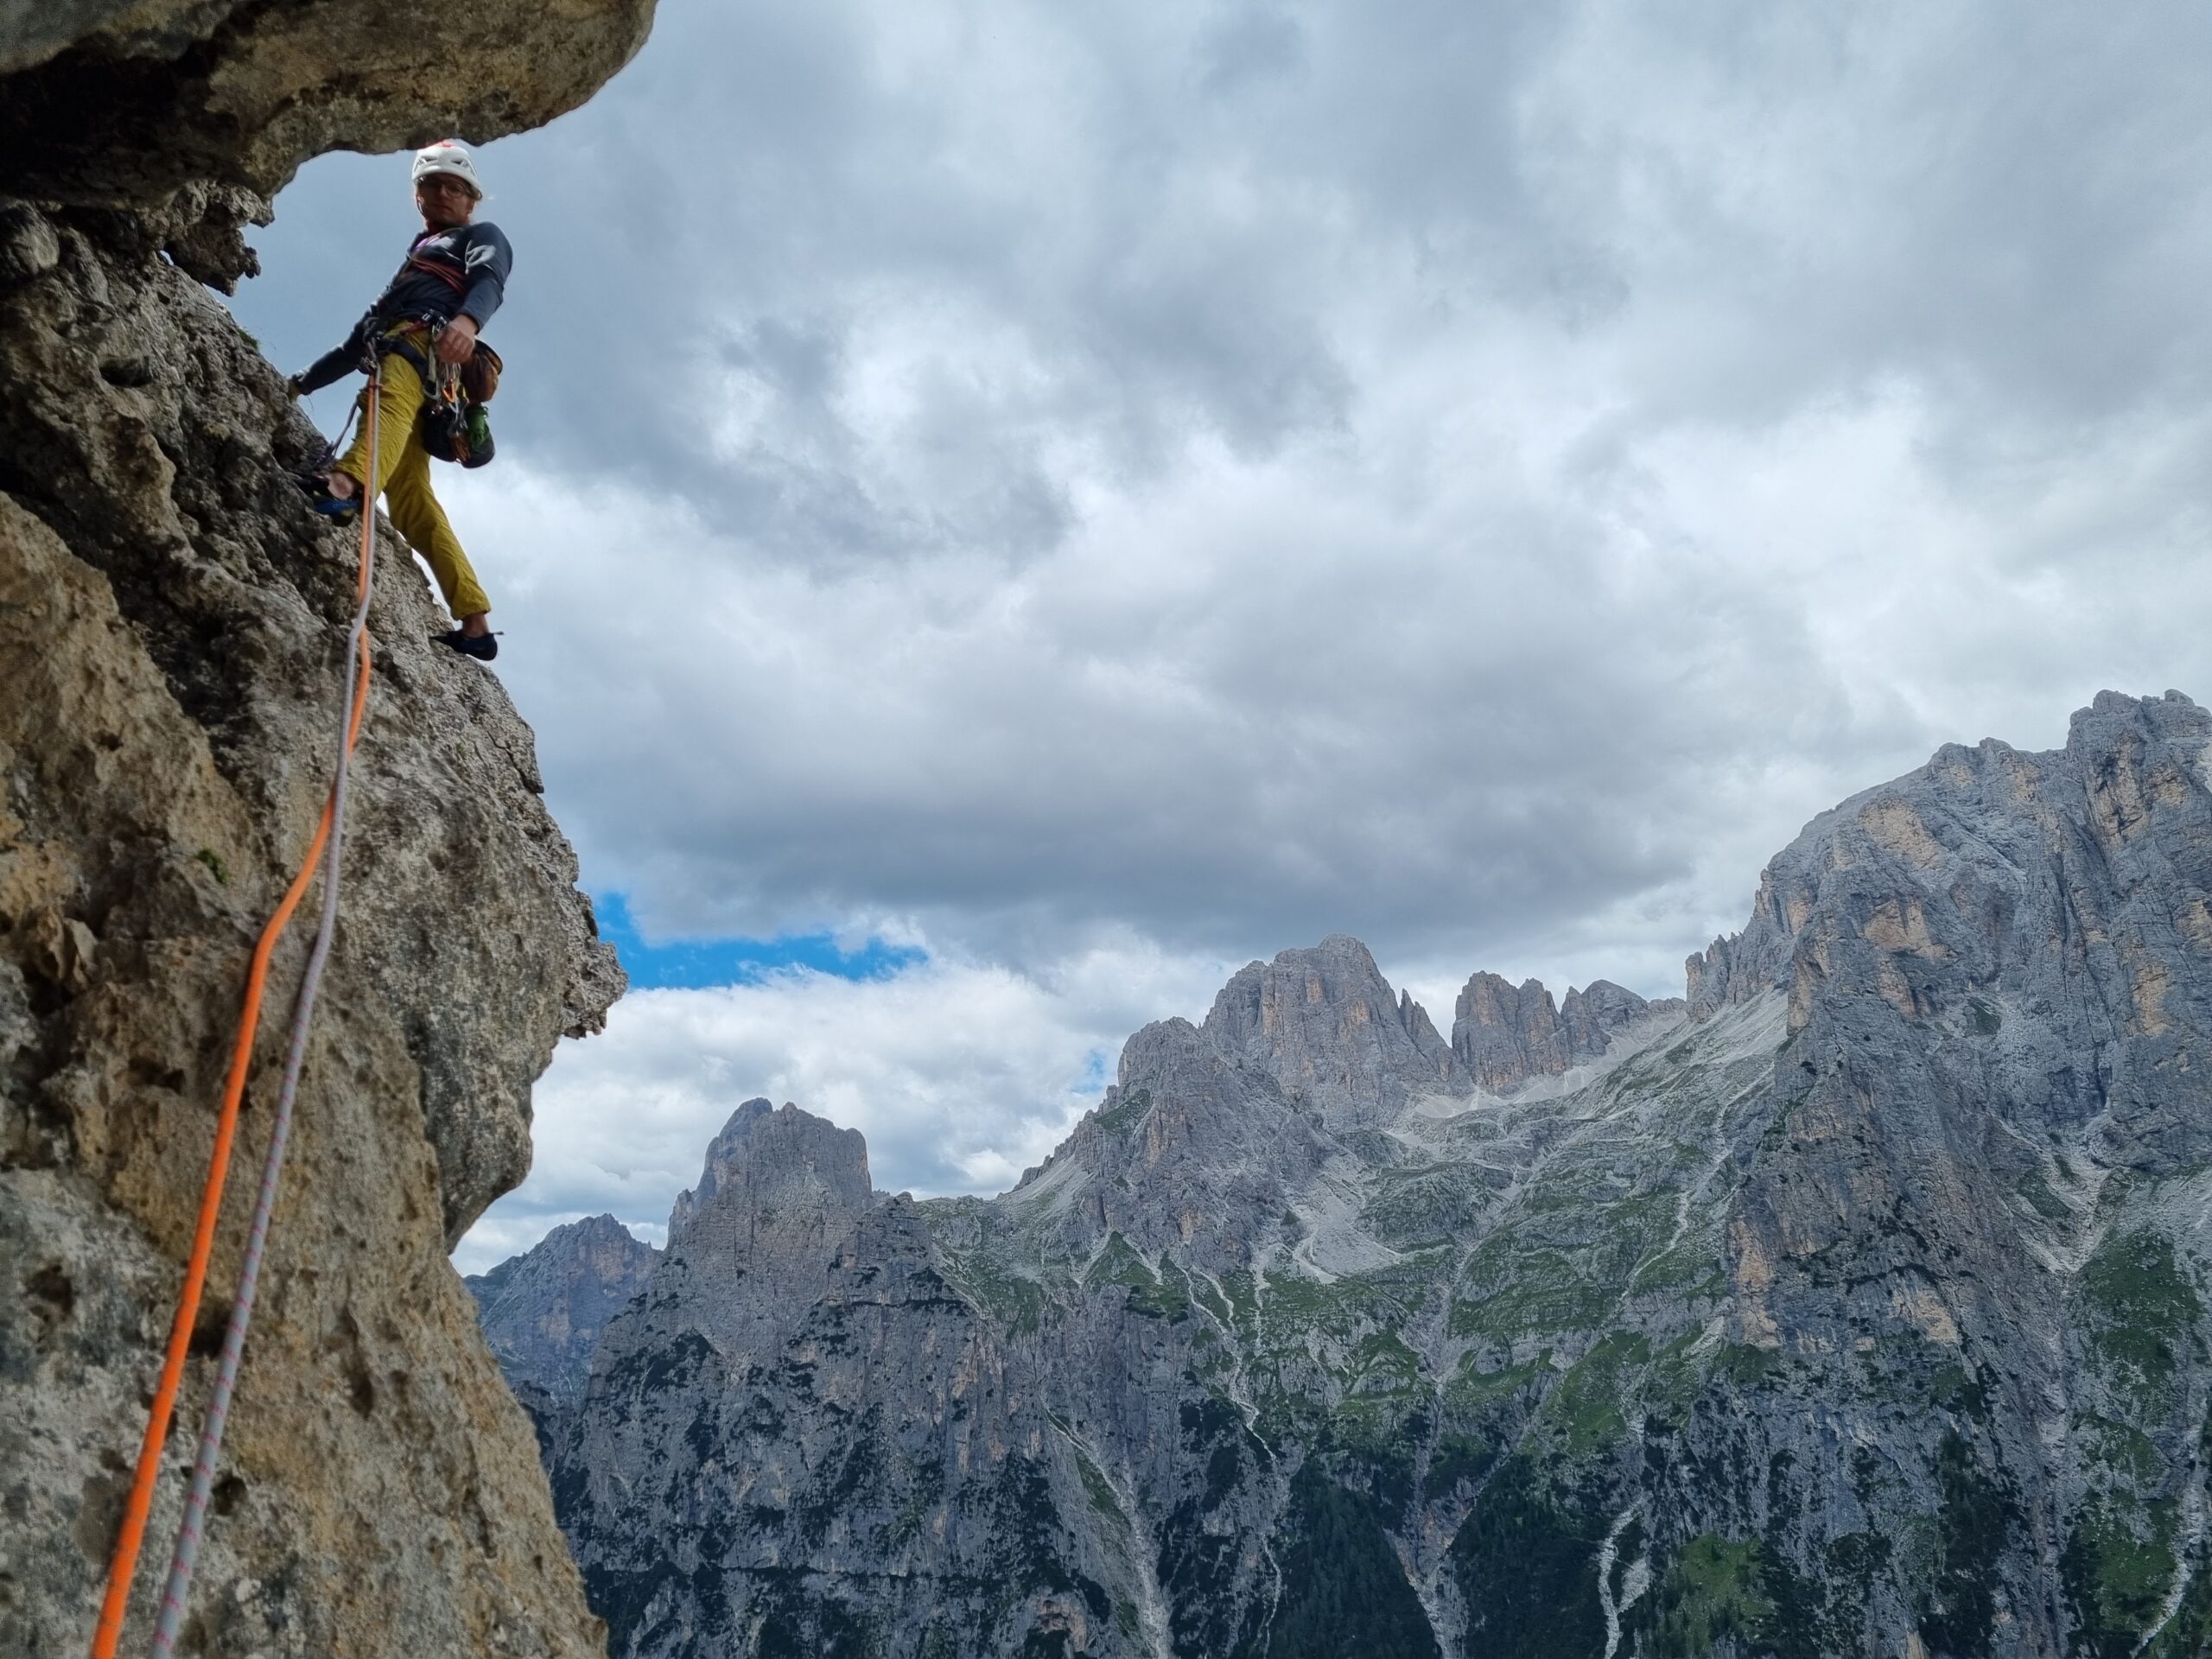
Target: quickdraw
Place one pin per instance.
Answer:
(456, 426)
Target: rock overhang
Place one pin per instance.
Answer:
(207, 108)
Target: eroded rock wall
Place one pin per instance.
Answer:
(186, 117)
(171, 637)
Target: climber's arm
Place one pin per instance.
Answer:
(333, 364)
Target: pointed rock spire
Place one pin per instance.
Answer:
(1504, 1034)
(1326, 1025)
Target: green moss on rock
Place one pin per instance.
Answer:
(2117, 1570)
(1709, 1593)
(2141, 1308)
(1973, 1527)
(1586, 1406)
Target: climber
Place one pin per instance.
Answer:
(454, 277)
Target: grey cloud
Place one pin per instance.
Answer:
(2009, 206)
(2013, 205)
(1312, 742)
(1476, 478)
(1247, 47)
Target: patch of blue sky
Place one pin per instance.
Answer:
(1094, 1075)
(698, 964)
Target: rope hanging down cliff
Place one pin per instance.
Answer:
(329, 836)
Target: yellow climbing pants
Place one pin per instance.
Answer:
(406, 484)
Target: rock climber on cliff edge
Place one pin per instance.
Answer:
(453, 280)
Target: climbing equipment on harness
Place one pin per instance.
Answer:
(316, 480)
(328, 840)
(454, 425)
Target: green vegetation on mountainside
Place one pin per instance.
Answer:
(1344, 1590)
(1538, 1342)
(1526, 1563)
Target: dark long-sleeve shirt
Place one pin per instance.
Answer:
(458, 272)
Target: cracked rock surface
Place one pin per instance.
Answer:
(207, 107)
(171, 638)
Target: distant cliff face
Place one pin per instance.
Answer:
(1855, 1307)
(1504, 1035)
(170, 628)
(542, 1314)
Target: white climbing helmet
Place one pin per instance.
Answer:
(447, 156)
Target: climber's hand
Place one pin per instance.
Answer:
(457, 340)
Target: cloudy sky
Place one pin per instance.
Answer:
(1006, 511)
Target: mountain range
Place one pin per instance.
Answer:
(1852, 1303)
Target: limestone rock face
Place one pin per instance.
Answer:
(1855, 1304)
(779, 1192)
(1329, 1029)
(701, 1402)
(171, 636)
(790, 1160)
(206, 107)
(543, 1313)
(1192, 1147)
(1504, 1035)
(1592, 1018)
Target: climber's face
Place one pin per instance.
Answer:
(444, 201)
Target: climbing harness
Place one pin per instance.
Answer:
(456, 426)
(329, 836)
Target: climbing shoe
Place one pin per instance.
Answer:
(483, 648)
(337, 510)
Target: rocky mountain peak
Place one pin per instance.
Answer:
(1194, 1144)
(780, 1157)
(1503, 1035)
(780, 1191)
(1866, 1312)
(542, 1311)
(1919, 877)
(1938, 1130)
(1326, 1025)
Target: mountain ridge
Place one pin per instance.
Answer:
(1855, 1302)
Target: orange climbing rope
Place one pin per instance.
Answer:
(124, 1565)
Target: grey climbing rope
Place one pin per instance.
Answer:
(185, 1556)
